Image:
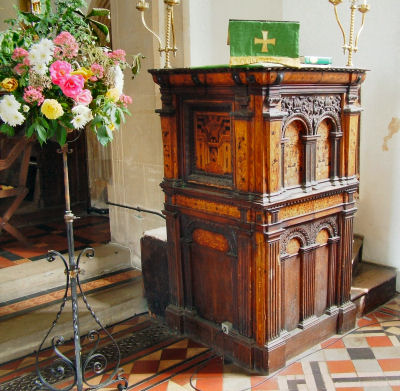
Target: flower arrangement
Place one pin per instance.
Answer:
(55, 77)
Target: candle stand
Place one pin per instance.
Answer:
(83, 366)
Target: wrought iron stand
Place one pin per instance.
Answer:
(94, 362)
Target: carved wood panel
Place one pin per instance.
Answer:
(293, 155)
(291, 292)
(213, 142)
(323, 160)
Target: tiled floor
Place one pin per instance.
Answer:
(154, 358)
(88, 231)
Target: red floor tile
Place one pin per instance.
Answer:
(214, 383)
(333, 343)
(145, 366)
(174, 354)
(5, 263)
(294, 369)
(379, 341)
(390, 364)
(271, 384)
(161, 387)
(343, 366)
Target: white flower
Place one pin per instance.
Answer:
(41, 52)
(9, 104)
(15, 119)
(41, 68)
(82, 110)
(47, 44)
(25, 108)
(117, 78)
(82, 115)
(78, 122)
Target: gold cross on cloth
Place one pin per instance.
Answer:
(264, 41)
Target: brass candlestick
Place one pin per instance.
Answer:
(350, 47)
(142, 6)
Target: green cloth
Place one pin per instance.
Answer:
(262, 41)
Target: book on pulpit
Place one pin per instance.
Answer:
(258, 41)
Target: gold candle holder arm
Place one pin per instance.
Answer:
(335, 4)
(351, 45)
(142, 6)
(364, 8)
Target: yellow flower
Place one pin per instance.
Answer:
(112, 127)
(113, 94)
(9, 84)
(85, 72)
(52, 109)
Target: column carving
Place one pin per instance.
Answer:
(347, 308)
(335, 164)
(333, 244)
(310, 150)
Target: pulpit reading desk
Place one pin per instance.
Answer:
(260, 172)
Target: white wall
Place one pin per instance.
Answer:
(378, 217)
(207, 27)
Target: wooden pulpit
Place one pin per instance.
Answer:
(260, 172)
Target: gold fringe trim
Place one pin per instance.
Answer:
(246, 60)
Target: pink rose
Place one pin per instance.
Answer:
(125, 99)
(64, 38)
(59, 70)
(20, 69)
(33, 95)
(84, 98)
(72, 85)
(19, 53)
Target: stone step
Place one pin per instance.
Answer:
(372, 286)
(22, 335)
(32, 278)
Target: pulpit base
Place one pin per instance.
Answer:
(244, 351)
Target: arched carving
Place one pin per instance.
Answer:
(303, 119)
(329, 224)
(293, 159)
(300, 233)
(324, 150)
(333, 118)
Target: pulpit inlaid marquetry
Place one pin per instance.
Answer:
(260, 171)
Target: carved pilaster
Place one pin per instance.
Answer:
(273, 117)
(186, 243)
(335, 163)
(245, 285)
(346, 246)
(242, 107)
(310, 146)
(307, 299)
(333, 243)
(347, 310)
(174, 259)
(268, 322)
(273, 281)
